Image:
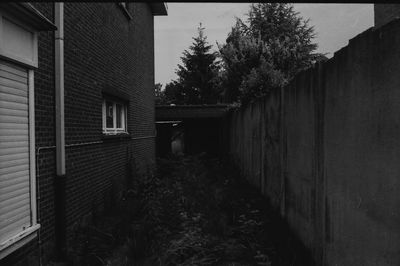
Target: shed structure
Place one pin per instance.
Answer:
(193, 128)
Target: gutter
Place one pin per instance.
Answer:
(27, 13)
(59, 182)
(159, 8)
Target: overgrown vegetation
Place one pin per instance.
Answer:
(194, 211)
(266, 51)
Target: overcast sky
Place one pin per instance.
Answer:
(334, 25)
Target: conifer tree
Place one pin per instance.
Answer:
(197, 81)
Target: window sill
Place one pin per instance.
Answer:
(18, 241)
(117, 136)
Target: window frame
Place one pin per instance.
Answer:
(124, 115)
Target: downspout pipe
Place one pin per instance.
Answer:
(59, 68)
(59, 182)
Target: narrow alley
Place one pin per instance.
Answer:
(196, 210)
(141, 134)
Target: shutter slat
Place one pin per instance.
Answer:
(14, 166)
(14, 113)
(13, 69)
(14, 215)
(13, 209)
(9, 190)
(16, 205)
(14, 106)
(13, 91)
(13, 150)
(13, 98)
(11, 76)
(13, 84)
(13, 132)
(12, 225)
(13, 138)
(15, 156)
(15, 197)
(14, 126)
(13, 177)
(13, 119)
(18, 144)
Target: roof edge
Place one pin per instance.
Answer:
(193, 106)
(159, 8)
(29, 14)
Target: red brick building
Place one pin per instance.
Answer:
(76, 109)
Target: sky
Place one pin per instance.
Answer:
(334, 25)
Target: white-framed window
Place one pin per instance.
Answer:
(114, 116)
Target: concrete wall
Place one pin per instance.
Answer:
(326, 149)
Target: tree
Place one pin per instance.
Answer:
(266, 52)
(197, 81)
(159, 94)
(174, 93)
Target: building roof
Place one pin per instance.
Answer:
(28, 14)
(178, 112)
(159, 8)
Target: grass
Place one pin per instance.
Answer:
(194, 211)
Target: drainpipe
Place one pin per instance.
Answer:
(59, 182)
(59, 53)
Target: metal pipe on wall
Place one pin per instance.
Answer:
(59, 86)
(60, 179)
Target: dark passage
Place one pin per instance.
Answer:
(195, 211)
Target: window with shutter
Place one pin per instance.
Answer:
(19, 27)
(17, 204)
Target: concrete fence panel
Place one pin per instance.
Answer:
(325, 150)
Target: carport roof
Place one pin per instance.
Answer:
(177, 112)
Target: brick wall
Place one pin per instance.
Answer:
(45, 134)
(104, 50)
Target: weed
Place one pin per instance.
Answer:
(192, 211)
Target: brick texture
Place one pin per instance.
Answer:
(104, 50)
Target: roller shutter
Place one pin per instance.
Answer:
(15, 200)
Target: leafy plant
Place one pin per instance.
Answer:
(266, 51)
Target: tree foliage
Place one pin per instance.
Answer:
(197, 81)
(266, 51)
(159, 94)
